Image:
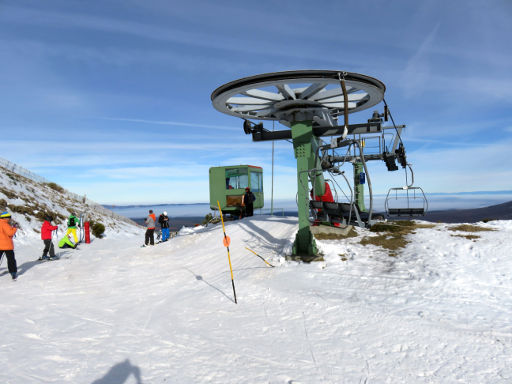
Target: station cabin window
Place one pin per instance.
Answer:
(237, 178)
(256, 181)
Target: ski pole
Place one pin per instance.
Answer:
(51, 245)
(266, 262)
(226, 243)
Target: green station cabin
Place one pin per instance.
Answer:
(227, 185)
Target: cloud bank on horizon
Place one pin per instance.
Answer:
(112, 99)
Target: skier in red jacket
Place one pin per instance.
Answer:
(46, 236)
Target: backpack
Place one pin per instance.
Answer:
(71, 222)
(250, 197)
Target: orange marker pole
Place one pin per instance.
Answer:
(226, 241)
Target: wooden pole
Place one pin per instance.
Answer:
(266, 262)
(226, 241)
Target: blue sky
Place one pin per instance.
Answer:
(111, 98)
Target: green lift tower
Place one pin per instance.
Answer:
(309, 103)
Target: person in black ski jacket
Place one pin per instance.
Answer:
(163, 220)
(248, 202)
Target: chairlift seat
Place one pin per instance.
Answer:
(406, 211)
(343, 210)
(336, 209)
(413, 196)
(315, 204)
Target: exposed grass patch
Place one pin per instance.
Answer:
(470, 228)
(393, 235)
(343, 257)
(55, 187)
(392, 227)
(469, 237)
(392, 242)
(13, 177)
(8, 193)
(21, 209)
(35, 211)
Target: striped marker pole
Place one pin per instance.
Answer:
(266, 262)
(226, 241)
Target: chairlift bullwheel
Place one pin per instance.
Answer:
(269, 96)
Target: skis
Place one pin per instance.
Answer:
(156, 242)
(43, 260)
(171, 235)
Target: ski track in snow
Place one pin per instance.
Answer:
(111, 312)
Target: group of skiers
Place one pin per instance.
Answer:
(47, 234)
(149, 239)
(8, 229)
(150, 222)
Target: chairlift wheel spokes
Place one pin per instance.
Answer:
(266, 96)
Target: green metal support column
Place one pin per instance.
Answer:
(304, 145)
(358, 187)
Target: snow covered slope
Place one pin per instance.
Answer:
(113, 312)
(29, 200)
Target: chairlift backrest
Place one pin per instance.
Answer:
(407, 201)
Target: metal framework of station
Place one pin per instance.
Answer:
(311, 105)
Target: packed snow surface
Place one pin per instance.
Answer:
(113, 312)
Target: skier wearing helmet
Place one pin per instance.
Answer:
(7, 232)
(163, 220)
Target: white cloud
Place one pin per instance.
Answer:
(175, 123)
(434, 131)
(486, 166)
(417, 70)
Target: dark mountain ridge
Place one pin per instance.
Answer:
(494, 212)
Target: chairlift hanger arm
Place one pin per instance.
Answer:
(397, 136)
(261, 134)
(331, 160)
